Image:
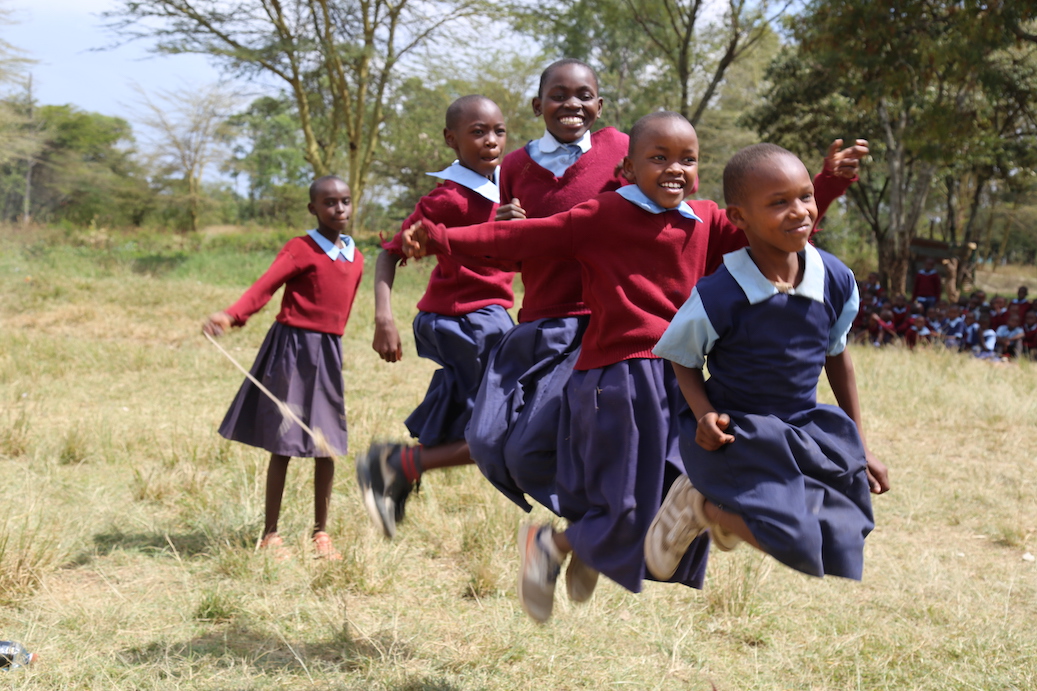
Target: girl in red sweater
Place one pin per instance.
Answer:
(300, 360)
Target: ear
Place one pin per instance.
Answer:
(628, 171)
(311, 209)
(450, 138)
(737, 218)
(537, 106)
(601, 105)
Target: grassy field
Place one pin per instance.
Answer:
(128, 527)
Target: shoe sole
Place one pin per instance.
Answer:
(526, 532)
(657, 554)
(376, 510)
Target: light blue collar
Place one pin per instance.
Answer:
(466, 177)
(756, 286)
(346, 252)
(634, 195)
(548, 143)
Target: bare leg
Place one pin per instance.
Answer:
(323, 475)
(731, 522)
(561, 542)
(447, 455)
(275, 477)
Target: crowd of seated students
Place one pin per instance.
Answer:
(996, 329)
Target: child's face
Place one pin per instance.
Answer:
(332, 205)
(1031, 318)
(778, 210)
(569, 102)
(998, 302)
(664, 163)
(479, 138)
(1023, 292)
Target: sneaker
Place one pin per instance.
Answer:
(379, 473)
(679, 521)
(580, 579)
(538, 571)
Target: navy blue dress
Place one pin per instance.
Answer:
(796, 472)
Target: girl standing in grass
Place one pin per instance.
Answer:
(300, 361)
(766, 464)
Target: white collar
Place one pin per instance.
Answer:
(756, 286)
(347, 251)
(466, 177)
(548, 143)
(634, 195)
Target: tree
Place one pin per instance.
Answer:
(337, 60)
(189, 134)
(915, 78)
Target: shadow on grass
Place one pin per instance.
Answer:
(263, 652)
(187, 544)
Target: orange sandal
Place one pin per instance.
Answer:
(274, 545)
(323, 547)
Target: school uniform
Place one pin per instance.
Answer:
(463, 313)
(796, 472)
(927, 287)
(512, 436)
(300, 361)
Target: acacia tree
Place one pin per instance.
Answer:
(337, 60)
(913, 76)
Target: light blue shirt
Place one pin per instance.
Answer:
(345, 253)
(466, 177)
(557, 156)
(691, 336)
(634, 195)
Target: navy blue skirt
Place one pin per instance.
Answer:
(513, 434)
(304, 369)
(800, 484)
(461, 346)
(617, 457)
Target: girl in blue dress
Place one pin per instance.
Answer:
(766, 464)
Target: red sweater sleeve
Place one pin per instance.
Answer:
(284, 267)
(828, 188)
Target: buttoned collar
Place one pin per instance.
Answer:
(756, 286)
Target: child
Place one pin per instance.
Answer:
(986, 341)
(1030, 333)
(461, 317)
(617, 450)
(927, 285)
(766, 464)
(1021, 302)
(1010, 336)
(300, 361)
(998, 312)
(513, 433)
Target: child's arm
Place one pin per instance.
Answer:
(843, 380)
(217, 323)
(281, 270)
(510, 212)
(845, 163)
(387, 341)
(709, 433)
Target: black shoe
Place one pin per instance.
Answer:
(385, 489)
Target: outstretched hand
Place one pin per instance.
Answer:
(845, 163)
(217, 323)
(878, 474)
(710, 434)
(415, 241)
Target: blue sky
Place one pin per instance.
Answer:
(63, 35)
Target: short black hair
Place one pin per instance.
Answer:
(557, 64)
(645, 123)
(745, 162)
(320, 181)
(457, 109)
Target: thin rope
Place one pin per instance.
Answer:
(318, 437)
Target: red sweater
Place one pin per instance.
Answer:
(552, 284)
(457, 287)
(318, 292)
(638, 268)
(927, 285)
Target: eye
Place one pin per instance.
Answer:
(586, 95)
(690, 161)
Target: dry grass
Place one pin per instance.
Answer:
(127, 548)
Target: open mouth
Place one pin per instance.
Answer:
(571, 120)
(672, 186)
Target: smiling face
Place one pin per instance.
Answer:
(663, 161)
(777, 210)
(332, 204)
(479, 137)
(569, 101)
